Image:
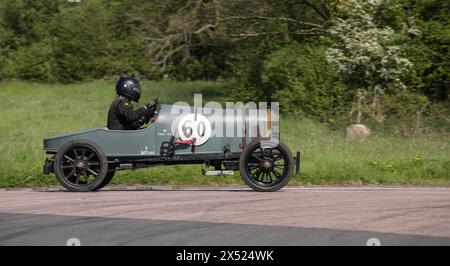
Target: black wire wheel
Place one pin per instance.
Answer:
(81, 166)
(265, 166)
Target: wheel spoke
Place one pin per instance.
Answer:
(277, 158)
(267, 177)
(253, 167)
(94, 164)
(263, 176)
(83, 152)
(77, 180)
(281, 166)
(258, 174)
(253, 171)
(68, 158)
(75, 152)
(270, 177)
(86, 177)
(90, 156)
(67, 166)
(276, 174)
(257, 158)
(92, 172)
(71, 173)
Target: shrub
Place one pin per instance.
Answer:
(299, 77)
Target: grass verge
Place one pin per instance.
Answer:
(30, 112)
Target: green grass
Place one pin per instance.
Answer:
(329, 158)
(30, 112)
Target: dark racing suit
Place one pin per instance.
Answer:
(122, 116)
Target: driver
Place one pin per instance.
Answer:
(121, 114)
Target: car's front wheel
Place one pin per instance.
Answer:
(81, 166)
(266, 166)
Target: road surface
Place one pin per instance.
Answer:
(227, 216)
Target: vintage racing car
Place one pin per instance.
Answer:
(87, 160)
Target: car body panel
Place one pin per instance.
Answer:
(147, 142)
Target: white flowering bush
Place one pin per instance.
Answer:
(365, 54)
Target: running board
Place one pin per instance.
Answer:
(218, 172)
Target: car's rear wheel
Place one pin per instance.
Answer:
(109, 176)
(81, 166)
(266, 167)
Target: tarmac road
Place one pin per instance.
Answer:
(227, 216)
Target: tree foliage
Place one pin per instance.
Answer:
(266, 50)
(365, 54)
(299, 77)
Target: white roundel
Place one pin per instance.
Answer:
(194, 126)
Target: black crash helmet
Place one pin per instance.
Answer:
(129, 87)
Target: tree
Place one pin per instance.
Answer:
(303, 83)
(180, 34)
(429, 51)
(366, 55)
(25, 39)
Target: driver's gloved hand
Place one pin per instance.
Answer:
(152, 103)
(151, 107)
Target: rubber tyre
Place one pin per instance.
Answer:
(103, 166)
(109, 176)
(258, 186)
